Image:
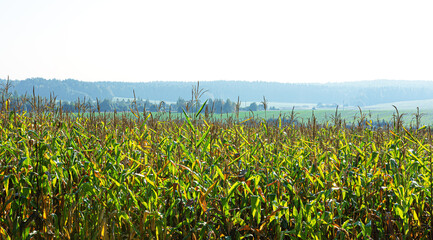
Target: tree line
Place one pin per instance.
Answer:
(351, 93)
(29, 103)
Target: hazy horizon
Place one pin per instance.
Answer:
(278, 41)
(227, 80)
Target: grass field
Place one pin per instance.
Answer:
(352, 115)
(91, 176)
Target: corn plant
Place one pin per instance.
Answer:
(109, 176)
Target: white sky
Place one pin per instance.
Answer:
(286, 41)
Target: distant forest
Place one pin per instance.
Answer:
(23, 103)
(349, 93)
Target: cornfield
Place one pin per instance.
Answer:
(101, 176)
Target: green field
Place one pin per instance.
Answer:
(322, 116)
(352, 115)
(135, 176)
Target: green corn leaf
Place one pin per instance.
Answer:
(201, 109)
(255, 208)
(188, 121)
